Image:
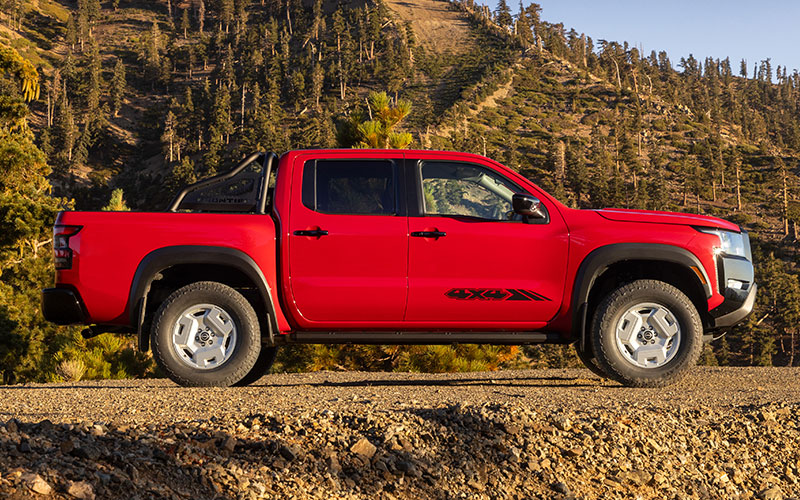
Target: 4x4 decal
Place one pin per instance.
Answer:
(493, 294)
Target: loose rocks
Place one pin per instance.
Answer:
(505, 435)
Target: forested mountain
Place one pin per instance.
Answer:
(145, 96)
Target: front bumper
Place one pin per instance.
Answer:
(737, 285)
(62, 306)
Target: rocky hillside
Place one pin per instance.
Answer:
(557, 434)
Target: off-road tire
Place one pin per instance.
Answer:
(589, 361)
(263, 364)
(248, 337)
(610, 312)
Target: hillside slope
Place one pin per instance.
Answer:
(595, 122)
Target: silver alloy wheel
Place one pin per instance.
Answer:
(648, 335)
(204, 336)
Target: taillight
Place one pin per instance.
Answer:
(61, 250)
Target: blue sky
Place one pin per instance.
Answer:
(752, 30)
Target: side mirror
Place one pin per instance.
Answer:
(529, 206)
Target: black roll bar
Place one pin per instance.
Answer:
(269, 158)
(267, 171)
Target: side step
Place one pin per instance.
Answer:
(497, 338)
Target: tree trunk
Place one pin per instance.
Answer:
(583, 46)
(341, 69)
(201, 14)
(289, 18)
(561, 166)
(685, 192)
(738, 191)
(619, 80)
(244, 93)
(785, 206)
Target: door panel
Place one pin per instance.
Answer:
(358, 270)
(486, 266)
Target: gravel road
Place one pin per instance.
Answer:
(719, 433)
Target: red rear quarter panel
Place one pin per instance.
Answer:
(109, 248)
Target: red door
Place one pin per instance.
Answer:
(471, 260)
(348, 248)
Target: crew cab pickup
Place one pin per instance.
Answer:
(396, 247)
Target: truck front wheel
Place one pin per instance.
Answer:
(646, 334)
(206, 334)
(586, 355)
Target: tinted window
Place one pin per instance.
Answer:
(451, 188)
(349, 187)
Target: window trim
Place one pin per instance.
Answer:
(398, 208)
(418, 165)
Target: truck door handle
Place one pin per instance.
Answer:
(428, 234)
(311, 232)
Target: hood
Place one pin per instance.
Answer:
(655, 217)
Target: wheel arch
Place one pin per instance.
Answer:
(226, 265)
(607, 266)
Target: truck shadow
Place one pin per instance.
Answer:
(544, 381)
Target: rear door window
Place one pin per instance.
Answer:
(356, 187)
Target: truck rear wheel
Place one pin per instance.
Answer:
(263, 364)
(646, 334)
(206, 334)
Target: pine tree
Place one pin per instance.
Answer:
(577, 173)
(182, 174)
(169, 136)
(341, 34)
(201, 16)
(378, 132)
(226, 11)
(66, 131)
(118, 87)
(27, 212)
(523, 26)
(83, 24)
(72, 32)
(117, 202)
(185, 25)
(221, 113)
(503, 17)
(95, 79)
(317, 80)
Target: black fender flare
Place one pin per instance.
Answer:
(603, 257)
(164, 258)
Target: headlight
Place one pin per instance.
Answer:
(730, 243)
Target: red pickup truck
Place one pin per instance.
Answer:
(396, 247)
